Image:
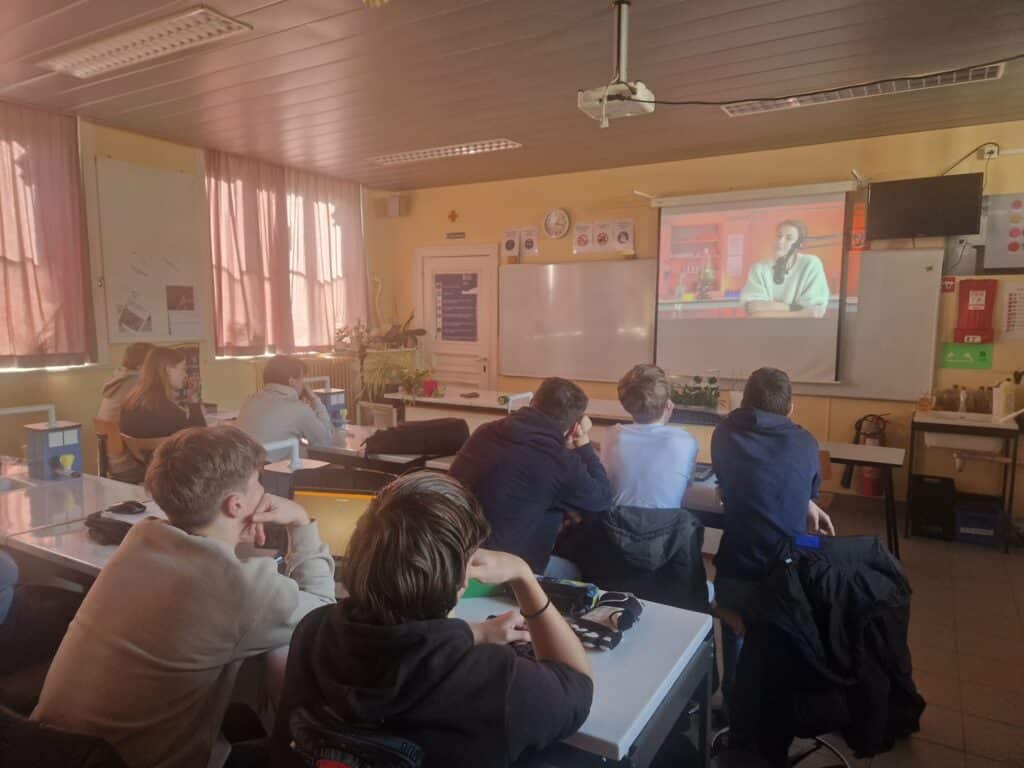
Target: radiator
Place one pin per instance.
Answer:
(343, 371)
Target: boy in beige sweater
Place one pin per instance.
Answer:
(150, 660)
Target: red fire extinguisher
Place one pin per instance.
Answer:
(870, 430)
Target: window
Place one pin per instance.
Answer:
(287, 250)
(44, 312)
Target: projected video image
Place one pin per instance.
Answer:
(769, 261)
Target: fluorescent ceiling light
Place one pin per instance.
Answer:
(881, 88)
(172, 34)
(453, 150)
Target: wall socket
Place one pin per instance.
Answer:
(988, 151)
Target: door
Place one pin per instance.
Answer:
(457, 302)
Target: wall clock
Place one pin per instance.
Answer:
(556, 223)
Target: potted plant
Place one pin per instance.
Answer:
(699, 393)
(411, 382)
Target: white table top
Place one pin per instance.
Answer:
(67, 545)
(487, 398)
(976, 420)
(864, 454)
(221, 417)
(631, 681)
(53, 502)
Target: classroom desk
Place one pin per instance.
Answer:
(44, 504)
(970, 424)
(880, 457)
(347, 449)
(642, 686)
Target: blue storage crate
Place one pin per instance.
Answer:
(979, 519)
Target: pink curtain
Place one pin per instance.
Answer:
(288, 256)
(43, 310)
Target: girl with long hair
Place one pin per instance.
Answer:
(151, 409)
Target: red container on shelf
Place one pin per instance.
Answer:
(975, 316)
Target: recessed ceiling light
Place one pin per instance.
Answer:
(881, 88)
(453, 150)
(194, 27)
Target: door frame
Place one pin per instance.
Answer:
(488, 253)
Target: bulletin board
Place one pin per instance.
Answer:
(153, 240)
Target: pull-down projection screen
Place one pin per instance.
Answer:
(752, 283)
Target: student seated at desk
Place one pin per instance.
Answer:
(151, 410)
(150, 661)
(285, 407)
(388, 658)
(649, 463)
(768, 473)
(534, 471)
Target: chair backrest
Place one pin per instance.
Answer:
(825, 460)
(27, 744)
(109, 429)
(141, 448)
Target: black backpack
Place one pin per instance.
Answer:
(433, 437)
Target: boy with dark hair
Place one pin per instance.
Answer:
(388, 658)
(150, 660)
(768, 475)
(285, 407)
(533, 471)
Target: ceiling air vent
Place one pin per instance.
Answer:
(881, 88)
(173, 34)
(453, 150)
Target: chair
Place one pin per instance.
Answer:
(325, 738)
(825, 498)
(28, 744)
(108, 444)
(141, 448)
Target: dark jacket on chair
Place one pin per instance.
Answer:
(26, 744)
(525, 478)
(826, 649)
(653, 553)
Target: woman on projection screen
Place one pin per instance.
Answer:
(791, 283)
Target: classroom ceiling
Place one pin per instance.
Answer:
(328, 84)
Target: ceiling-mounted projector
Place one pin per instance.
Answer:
(620, 98)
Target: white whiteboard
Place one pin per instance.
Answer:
(581, 320)
(887, 345)
(153, 239)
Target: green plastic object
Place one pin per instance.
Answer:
(478, 589)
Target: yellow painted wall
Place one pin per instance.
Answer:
(485, 210)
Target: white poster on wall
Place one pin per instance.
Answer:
(529, 243)
(153, 244)
(510, 245)
(623, 232)
(1004, 232)
(603, 239)
(582, 238)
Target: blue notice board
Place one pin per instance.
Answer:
(455, 298)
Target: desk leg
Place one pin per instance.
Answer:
(1008, 512)
(910, 478)
(892, 526)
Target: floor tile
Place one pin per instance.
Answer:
(941, 688)
(979, 669)
(974, 761)
(929, 658)
(941, 725)
(999, 704)
(936, 635)
(993, 602)
(997, 649)
(930, 616)
(993, 740)
(917, 753)
(970, 618)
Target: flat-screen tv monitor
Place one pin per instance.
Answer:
(929, 207)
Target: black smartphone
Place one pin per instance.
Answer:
(127, 508)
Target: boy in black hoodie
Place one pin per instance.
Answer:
(533, 472)
(768, 475)
(388, 658)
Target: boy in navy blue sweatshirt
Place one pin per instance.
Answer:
(768, 475)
